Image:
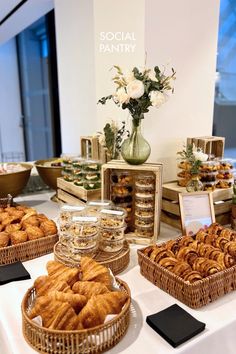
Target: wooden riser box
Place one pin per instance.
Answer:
(170, 213)
(75, 195)
(117, 166)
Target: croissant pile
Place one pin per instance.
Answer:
(194, 258)
(75, 298)
(21, 223)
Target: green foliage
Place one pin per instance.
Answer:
(187, 155)
(114, 138)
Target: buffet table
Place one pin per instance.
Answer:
(220, 317)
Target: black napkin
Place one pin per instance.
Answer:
(175, 325)
(13, 272)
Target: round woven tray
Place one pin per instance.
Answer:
(116, 261)
(93, 340)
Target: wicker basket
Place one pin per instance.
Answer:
(193, 295)
(93, 340)
(117, 261)
(27, 250)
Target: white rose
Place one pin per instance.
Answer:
(199, 155)
(152, 75)
(135, 89)
(129, 76)
(157, 98)
(121, 96)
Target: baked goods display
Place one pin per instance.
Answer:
(19, 224)
(84, 229)
(121, 192)
(76, 298)
(144, 205)
(225, 178)
(195, 258)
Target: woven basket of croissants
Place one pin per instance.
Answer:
(194, 269)
(25, 234)
(75, 310)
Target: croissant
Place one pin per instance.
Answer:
(206, 266)
(193, 276)
(168, 262)
(33, 232)
(201, 236)
(181, 269)
(76, 301)
(30, 221)
(59, 271)
(173, 246)
(214, 228)
(18, 237)
(99, 306)
(91, 270)
(185, 241)
(13, 227)
(230, 247)
(163, 253)
(48, 227)
(148, 251)
(4, 239)
(89, 288)
(220, 242)
(44, 283)
(55, 314)
(187, 254)
(3, 216)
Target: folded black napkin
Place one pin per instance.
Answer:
(13, 272)
(175, 325)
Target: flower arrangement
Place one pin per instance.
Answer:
(194, 156)
(140, 89)
(112, 138)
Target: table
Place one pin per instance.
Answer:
(220, 317)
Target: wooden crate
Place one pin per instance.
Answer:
(75, 195)
(209, 144)
(170, 214)
(156, 169)
(89, 147)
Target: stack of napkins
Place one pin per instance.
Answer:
(13, 272)
(175, 325)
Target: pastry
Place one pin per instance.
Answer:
(4, 239)
(34, 232)
(18, 237)
(91, 270)
(13, 227)
(45, 283)
(77, 301)
(99, 306)
(30, 221)
(187, 254)
(192, 276)
(60, 272)
(89, 288)
(48, 227)
(54, 314)
(168, 262)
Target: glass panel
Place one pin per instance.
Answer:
(225, 90)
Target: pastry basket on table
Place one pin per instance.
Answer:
(194, 294)
(92, 340)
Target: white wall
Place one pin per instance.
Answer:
(185, 33)
(182, 32)
(11, 135)
(123, 19)
(76, 71)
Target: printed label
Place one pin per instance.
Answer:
(113, 212)
(84, 218)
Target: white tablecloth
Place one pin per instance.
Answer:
(220, 316)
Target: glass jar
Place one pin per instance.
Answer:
(91, 185)
(143, 221)
(209, 166)
(144, 202)
(144, 231)
(112, 234)
(112, 217)
(111, 246)
(144, 212)
(144, 192)
(94, 206)
(145, 180)
(84, 234)
(91, 166)
(121, 177)
(121, 190)
(68, 211)
(91, 176)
